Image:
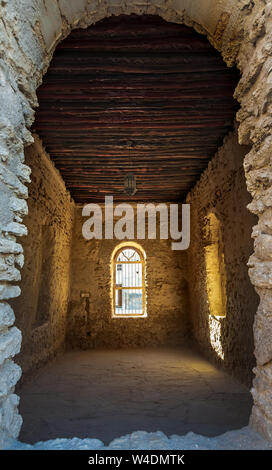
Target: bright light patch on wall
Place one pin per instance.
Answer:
(215, 268)
(215, 327)
(215, 281)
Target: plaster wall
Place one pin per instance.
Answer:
(222, 191)
(90, 322)
(41, 308)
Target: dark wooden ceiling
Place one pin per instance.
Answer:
(134, 94)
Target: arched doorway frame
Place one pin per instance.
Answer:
(29, 33)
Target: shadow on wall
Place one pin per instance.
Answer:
(222, 299)
(42, 306)
(228, 327)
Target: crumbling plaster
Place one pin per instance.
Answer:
(29, 32)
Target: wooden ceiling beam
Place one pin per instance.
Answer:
(134, 94)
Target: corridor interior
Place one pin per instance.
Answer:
(134, 98)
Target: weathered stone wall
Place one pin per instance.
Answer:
(222, 190)
(255, 95)
(15, 111)
(42, 306)
(90, 322)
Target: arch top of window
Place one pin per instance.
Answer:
(128, 255)
(127, 248)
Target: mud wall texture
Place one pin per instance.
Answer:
(227, 340)
(90, 323)
(41, 309)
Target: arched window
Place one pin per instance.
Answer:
(128, 277)
(215, 267)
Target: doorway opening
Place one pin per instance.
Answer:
(138, 94)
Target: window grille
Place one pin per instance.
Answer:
(129, 283)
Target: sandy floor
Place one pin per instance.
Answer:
(107, 394)
(240, 439)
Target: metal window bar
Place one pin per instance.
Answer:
(129, 287)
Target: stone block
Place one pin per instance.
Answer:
(260, 272)
(7, 316)
(10, 420)
(10, 246)
(15, 228)
(262, 336)
(9, 273)
(8, 178)
(10, 343)
(10, 373)
(260, 423)
(9, 291)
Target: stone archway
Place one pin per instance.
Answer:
(29, 33)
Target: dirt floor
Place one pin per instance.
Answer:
(107, 394)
